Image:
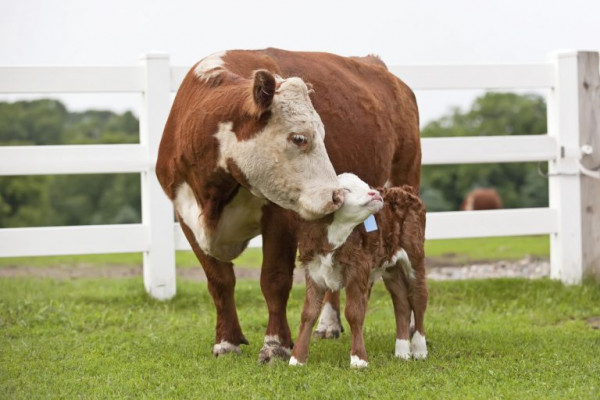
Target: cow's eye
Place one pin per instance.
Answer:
(298, 140)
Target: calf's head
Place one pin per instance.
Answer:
(360, 201)
(285, 160)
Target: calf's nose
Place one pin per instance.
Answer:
(375, 195)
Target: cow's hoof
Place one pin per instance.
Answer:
(330, 326)
(327, 334)
(220, 349)
(273, 350)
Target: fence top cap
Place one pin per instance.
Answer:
(152, 55)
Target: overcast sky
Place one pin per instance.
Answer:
(117, 32)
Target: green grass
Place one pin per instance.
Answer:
(250, 258)
(456, 250)
(513, 339)
(493, 248)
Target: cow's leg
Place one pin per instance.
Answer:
(279, 252)
(418, 296)
(330, 323)
(310, 312)
(221, 285)
(356, 308)
(396, 285)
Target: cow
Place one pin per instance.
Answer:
(336, 251)
(255, 139)
(481, 199)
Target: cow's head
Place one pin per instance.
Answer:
(277, 151)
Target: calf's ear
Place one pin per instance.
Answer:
(263, 89)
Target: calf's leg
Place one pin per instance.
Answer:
(356, 308)
(418, 296)
(396, 286)
(310, 312)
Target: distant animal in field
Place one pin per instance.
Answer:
(337, 253)
(481, 199)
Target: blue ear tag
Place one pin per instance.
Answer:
(370, 224)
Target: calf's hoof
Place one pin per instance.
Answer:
(357, 362)
(295, 362)
(273, 350)
(402, 349)
(418, 346)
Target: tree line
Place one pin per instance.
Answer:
(55, 200)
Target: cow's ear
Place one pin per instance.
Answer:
(263, 89)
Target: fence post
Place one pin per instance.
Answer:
(157, 210)
(573, 119)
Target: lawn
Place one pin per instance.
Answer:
(100, 338)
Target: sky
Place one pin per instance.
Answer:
(401, 32)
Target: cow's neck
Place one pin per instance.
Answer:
(223, 215)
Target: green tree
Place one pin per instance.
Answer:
(443, 188)
(66, 199)
(32, 122)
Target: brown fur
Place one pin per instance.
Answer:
(372, 129)
(401, 225)
(482, 199)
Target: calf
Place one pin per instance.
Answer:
(336, 253)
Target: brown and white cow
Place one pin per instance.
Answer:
(482, 199)
(337, 253)
(247, 140)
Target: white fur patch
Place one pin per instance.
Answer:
(325, 272)
(328, 320)
(225, 347)
(418, 346)
(399, 257)
(356, 362)
(210, 66)
(402, 349)
(239, 222)
(189, 210)
(295, 362)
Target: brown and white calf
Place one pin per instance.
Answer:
(336, 253)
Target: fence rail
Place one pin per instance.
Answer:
(158, 237)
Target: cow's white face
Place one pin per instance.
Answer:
(286, 162)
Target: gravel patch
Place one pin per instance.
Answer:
(528, 267)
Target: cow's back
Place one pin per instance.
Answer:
(370, 116)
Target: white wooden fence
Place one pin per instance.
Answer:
(572, 219)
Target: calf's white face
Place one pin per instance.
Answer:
(360, 201)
